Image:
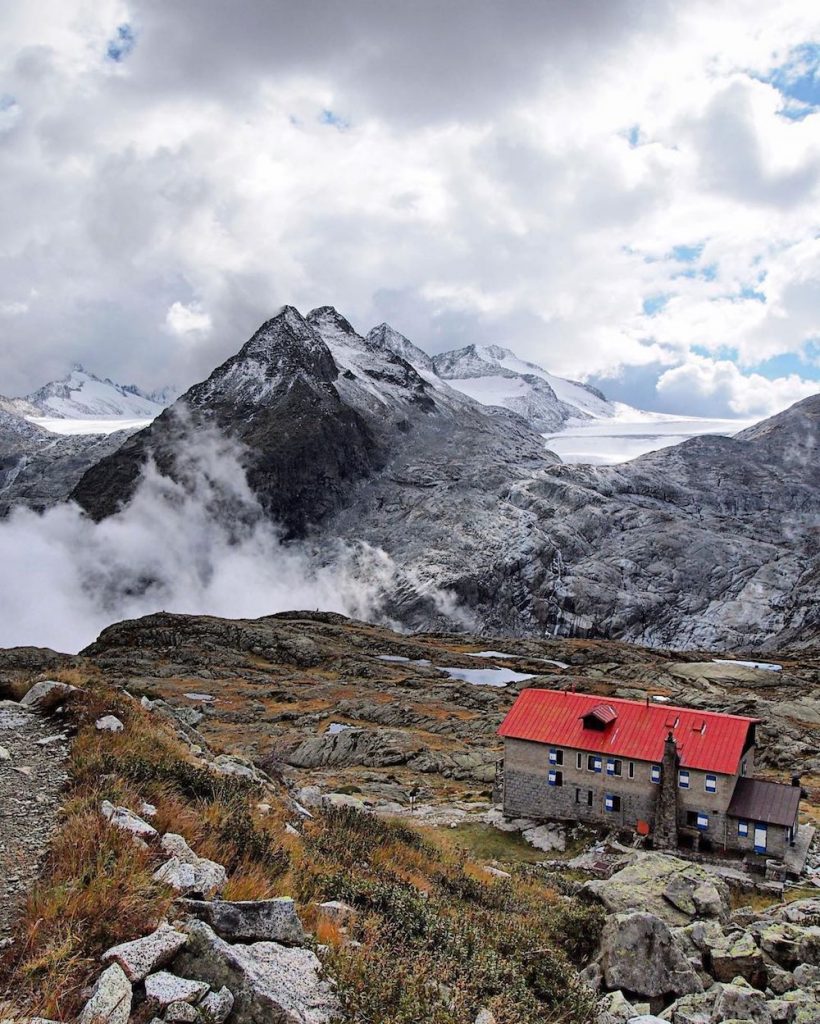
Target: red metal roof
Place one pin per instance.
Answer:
(706, 740)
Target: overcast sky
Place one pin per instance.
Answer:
(624, 192)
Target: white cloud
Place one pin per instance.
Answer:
(485, 188)
(703, 385)
(181, 319)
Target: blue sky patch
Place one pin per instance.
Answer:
(655, 303)
(687, 253)
(330, 117)
(122, 44)
(804, 364)
(798, 80)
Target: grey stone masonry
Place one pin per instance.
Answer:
(666, 811)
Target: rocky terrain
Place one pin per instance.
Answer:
(39, 469)
(264, 895)
(344, 438)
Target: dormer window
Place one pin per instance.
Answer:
(600, 717)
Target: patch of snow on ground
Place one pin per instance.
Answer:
(765, 666)
(486, 676)
(631, 433)
(403, 660)
(206, 698)
(335, 728)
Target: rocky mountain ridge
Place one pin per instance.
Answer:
(348, 439)
(83, 395)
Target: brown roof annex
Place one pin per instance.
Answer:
(772, 802)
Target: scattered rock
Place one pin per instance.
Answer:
(639, 954)
(186, 872)
(742, 1001)
(739, 956)
(272, 920)
(181, 1013)
(121, 817)
(485, 1016)
(614, 1008)
(496, 872)
(164, 988)
(46, 695)
(549, 838)
(110, 1002)
(338, 911)
(268, 981)
(109, 723)
(4, 754)
(216, 1006)
(142, 956)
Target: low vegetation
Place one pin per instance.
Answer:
(434, 937)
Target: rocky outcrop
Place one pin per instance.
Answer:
(269, 982)
(639, 954)
(246, 921)
(674, 890)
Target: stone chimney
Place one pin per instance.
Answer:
(666, 808)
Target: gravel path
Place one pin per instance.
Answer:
(31, 777)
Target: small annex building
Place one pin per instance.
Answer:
(682, 776)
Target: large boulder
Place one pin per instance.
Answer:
(271, 983)
(695, 1008)
(737, 956)
(788, 944)
(273, 920)
(739, 1000)
(163, 989)
(46, 695)
(110, 1001)
(639, 954)
(670, 888)
(142, 956)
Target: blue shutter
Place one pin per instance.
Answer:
(743, 828)
(596, 764)
(609, 803)
(551, 777)
(610, 767)
(553, 756)
(703, 822)
(656, 773)
(711, 783)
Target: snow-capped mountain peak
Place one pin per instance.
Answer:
(83, 396)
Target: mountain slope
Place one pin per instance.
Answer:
(39, 469)
(495, 376)
(81, 395)
(319, 410)
(349, 439)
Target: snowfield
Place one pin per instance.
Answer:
(630, 433)
(88, 426)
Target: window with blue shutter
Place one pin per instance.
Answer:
(613, 766)
(702, 822)
(612, 802)
(556, 756)
(711, 783)
(683, 779)
(655, 774)
(743, 828)
(594, 763)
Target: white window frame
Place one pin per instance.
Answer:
(579, 760)
(683, 778)
(655, 774)
(710, 783)
(631, 770)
